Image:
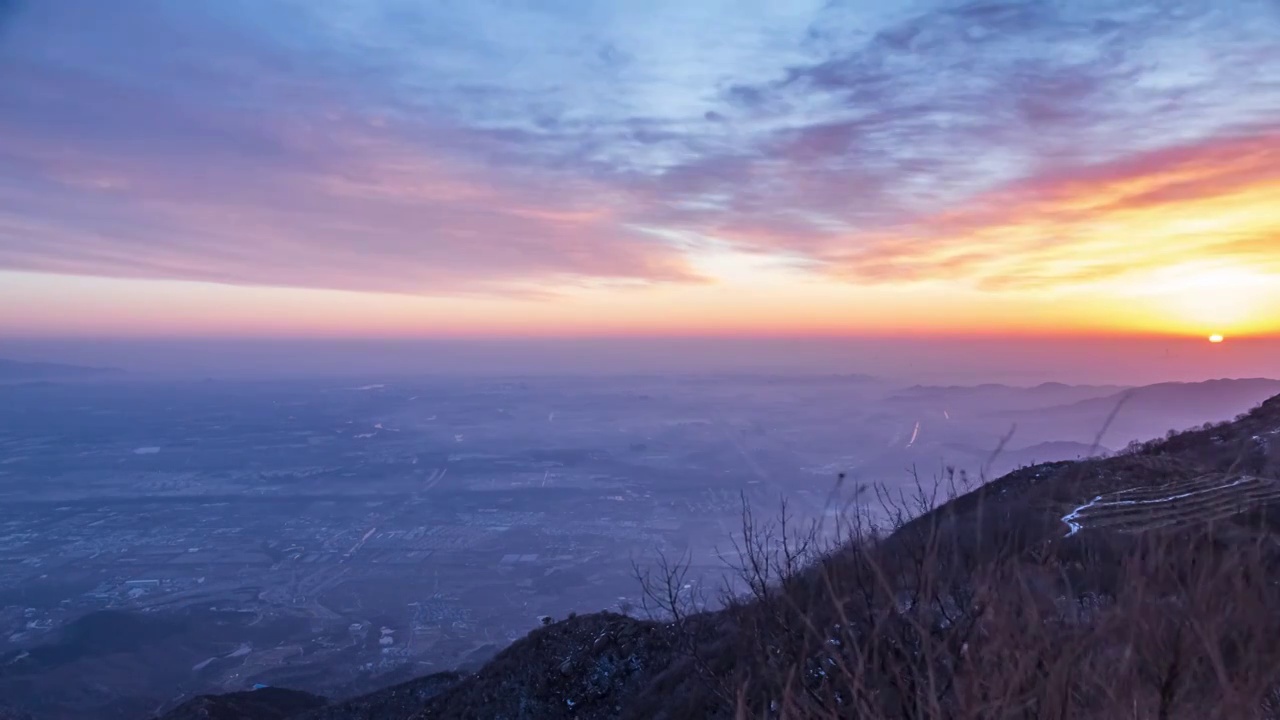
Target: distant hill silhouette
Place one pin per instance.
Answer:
(1042, 391)
(1183, 398)
(18, 371)
(1148, 411)
(97, 634)
(1052, 451)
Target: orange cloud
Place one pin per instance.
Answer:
(1215, 204)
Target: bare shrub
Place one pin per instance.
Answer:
(937, 615)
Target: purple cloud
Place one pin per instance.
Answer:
(484, 148)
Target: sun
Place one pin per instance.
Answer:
(1215, 338)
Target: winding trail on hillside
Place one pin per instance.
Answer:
(1202, 499)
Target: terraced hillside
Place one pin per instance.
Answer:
(1202, 499)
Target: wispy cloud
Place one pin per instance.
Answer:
(1216, 203)
(372, 214)
(481, 147)
(127, 177)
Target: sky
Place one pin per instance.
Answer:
(638, 168)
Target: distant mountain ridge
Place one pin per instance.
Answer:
(1044, 387)
(1217, 390)
(19, 371)
(1000, 395)
(1145, 412)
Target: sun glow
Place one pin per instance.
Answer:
(1215, 338)
(1212, 296)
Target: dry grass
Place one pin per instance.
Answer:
(1160, 599)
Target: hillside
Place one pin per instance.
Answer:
(1143, 581)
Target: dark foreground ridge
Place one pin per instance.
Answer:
(262, 704)
(1140, 585)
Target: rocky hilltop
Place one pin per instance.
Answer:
(1143, 582)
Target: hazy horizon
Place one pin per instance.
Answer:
(1014, 361)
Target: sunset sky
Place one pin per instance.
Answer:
(405, 168)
